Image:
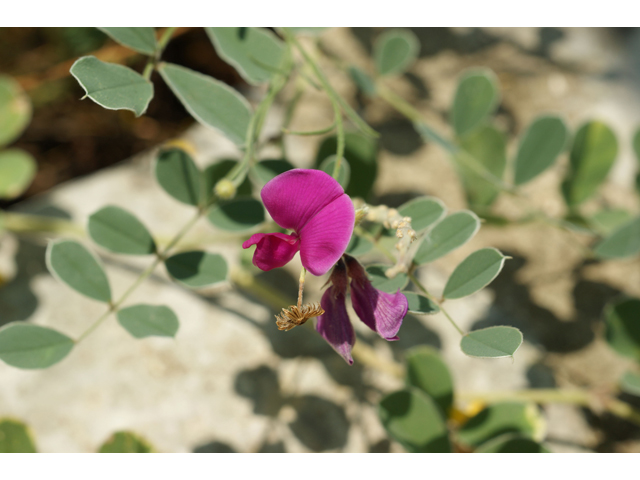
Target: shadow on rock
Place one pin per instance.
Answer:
(17, 299)
(398, 136)
(320, 424)
(514, 306)
(412, 334)
(214, 447)
(261, 386)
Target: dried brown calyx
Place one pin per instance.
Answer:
(297, 315)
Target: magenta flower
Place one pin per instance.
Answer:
(315, 207)
(382, 312)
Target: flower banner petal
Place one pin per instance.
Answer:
(334, 325)
(295, 196)
(326, 236)
(273, 250)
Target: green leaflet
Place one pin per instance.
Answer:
(28, 346)
(539, 147)
(112, 86)
(476, 98)
(395, 51)
(140, 39)
(74, 265)
(15, 110)
(594, 150)
(209, 101)
(255, 52)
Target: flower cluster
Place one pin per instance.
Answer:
(321, 216)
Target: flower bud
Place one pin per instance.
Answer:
(225, 189)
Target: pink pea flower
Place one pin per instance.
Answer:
(382, 312)
(315, 207)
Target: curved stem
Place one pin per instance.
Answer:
(326, 86)
(113, 307)
(322, 131)
(438, 302)
(152, 62)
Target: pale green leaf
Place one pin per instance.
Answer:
(17, 169)
(255, 52)
(112, 86)
(380, 281)
(140, 39)
(197, 269)
(15, 110)
(15, 437)
(413, 419)
(395, 50)
(74, 265)
(126, 442)
(362, 154)
(477, 97)
(622, 242)
(607, 221)
(623, 327)
(487, 147)
(28, 346)
(149, 320)
(344, 173)
(630, 383)
(427, 371)
(420, 304)
(179, 176)
(309, 31)
(492, 342)
(594, 150)
(365, 83)
(266, 170)
(539, 147)
(237, 215)
(452, 232)
(209, 101)
(423, 211)
(120, 232)
(512, 443)
(523, 419)
(358, 246)
(474, 273)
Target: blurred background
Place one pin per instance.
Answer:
(231, 381)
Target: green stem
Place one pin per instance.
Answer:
(113, 307)
(434, 299)
(164, 39)
(153, 60)
(322, 131)
(326, 86)
(240, 171)
(341, 139)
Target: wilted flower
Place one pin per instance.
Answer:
(382, 312)
(315, 207)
